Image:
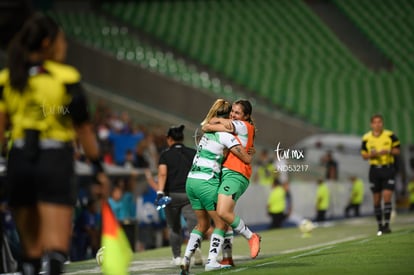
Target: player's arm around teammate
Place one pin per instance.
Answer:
(235, 176)
(202, 186)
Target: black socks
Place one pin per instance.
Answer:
(31, 266)
(54, 261)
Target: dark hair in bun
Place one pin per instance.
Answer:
(176, 133)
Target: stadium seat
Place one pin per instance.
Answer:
(279, 50)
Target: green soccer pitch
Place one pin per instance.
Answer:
(339, 247)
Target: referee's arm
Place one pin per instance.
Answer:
(364, 151)
(395, 150)
(78, 110)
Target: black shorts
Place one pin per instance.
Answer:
(381, 178)
(49, 178)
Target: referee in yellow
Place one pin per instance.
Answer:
(43, 104)
(379, 147)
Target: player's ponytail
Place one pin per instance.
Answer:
(220, 108)
(30, 39)
(17, 63)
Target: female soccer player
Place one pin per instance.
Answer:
(203, 183)
(235, 176)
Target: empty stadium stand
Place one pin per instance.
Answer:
(284, 53)
(280, 53)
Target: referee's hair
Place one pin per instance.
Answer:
(30, 39)
(374, 116)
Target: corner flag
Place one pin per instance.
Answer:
(118, 253)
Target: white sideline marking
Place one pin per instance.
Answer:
(365, 241)
(306, 248)
(95, 270)
(134, 266)
(312, 252)
(148, 265)
(323, 244)
(267, 263)
(236, 270)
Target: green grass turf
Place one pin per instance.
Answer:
(341, 247)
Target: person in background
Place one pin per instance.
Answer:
(410, 188)
(146, 153)
(122, 141)
(10, 252)
(173, 167)
(152, 231)
(356, 198)
(331, 166)
(130, 161)
(116, 202)
(86, 233)
(276, 204)
(379, 147)
(43, 103)
(280, 173)
(322, 201)
(289, 199)
(122, 201)
(265, 172)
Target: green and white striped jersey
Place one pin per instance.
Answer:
(210, 155)
(240, 130)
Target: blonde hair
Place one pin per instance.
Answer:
(220, 108)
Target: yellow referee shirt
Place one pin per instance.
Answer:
(385, 141)
(47, 104)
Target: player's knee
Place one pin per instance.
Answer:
(225, 215)
(203, 227)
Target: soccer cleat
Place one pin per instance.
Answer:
(185, 266)
(386, 230)
(215, 266)
(254, 244)
(227, 261)
(198, 258)
(176, 261)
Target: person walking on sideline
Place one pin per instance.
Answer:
(173, 167)
(379, 147)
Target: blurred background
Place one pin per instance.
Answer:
(314, 70)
